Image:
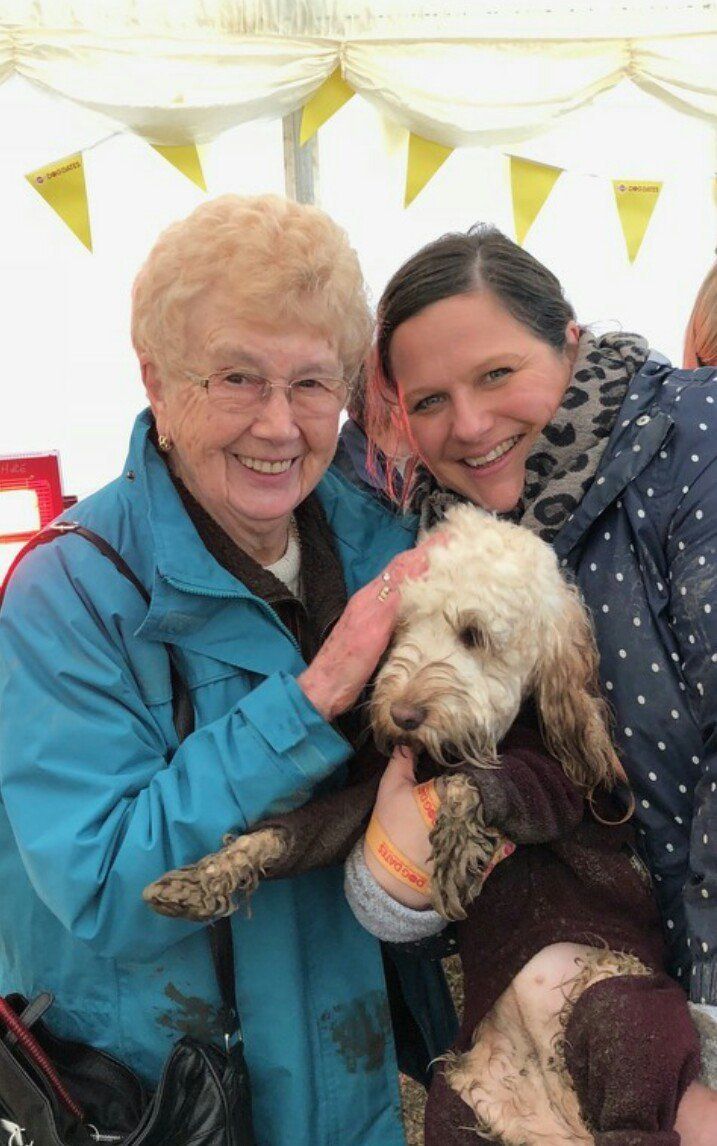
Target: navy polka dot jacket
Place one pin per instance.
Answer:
(642, 545)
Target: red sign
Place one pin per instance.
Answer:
(34, 473)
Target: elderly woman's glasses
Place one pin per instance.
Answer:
(237, 390)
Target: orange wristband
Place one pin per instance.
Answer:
(503, 849)
(394, 861)
(428, 801)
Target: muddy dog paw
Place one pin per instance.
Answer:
(465, 848)
(215, 885)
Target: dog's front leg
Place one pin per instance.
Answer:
(464, 847)
(316, 835)
(210, 888)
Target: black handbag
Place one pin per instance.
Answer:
(56, 1092)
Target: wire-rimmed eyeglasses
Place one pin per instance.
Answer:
(235, 389)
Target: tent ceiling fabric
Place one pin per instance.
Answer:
(448, 71)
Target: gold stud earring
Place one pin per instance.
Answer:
(165, 443)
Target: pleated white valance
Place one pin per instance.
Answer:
(455, 73)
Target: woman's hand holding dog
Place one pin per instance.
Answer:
(347, 660)
(397, 812)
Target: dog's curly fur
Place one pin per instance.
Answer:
(462, 846)
(514, 1077)
(214, 886)
(493, 622)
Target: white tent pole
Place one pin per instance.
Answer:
(300, 163)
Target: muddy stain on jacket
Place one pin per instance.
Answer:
(360, 1032)
(191, 1016)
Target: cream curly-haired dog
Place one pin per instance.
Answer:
(492, 625)
(493, 622)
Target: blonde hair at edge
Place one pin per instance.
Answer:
(275, 257)
(701, 334)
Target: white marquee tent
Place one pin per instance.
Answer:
(606, 91)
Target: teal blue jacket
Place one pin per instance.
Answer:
(98, 800)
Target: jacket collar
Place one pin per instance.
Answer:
(180, 557)
(324, 590)
(194, 597)
(641, 428)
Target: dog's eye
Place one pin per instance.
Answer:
(472, 637)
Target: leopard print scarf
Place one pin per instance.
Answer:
(562, 464)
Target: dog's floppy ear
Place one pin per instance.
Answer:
(573, 715)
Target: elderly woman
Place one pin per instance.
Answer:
(249, 322)
(609, 454)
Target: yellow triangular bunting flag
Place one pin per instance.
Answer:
(424, 159)
(186, 159)
(636, 201)
(62, 185)
(326, 100)
(530, 184)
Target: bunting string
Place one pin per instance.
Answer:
(63, 187)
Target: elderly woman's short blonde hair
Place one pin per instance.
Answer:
(282, 262)
(701, 333)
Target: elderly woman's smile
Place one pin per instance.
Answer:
(265, 466)
(249, 452)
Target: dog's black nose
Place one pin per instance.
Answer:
(408, 716)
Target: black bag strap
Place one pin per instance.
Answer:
(220, 932)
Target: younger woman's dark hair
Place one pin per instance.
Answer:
(458, 263)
